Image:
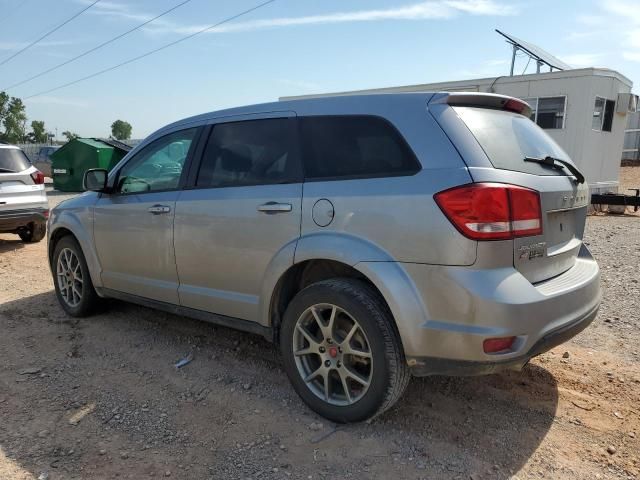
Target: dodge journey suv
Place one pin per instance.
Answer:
(371, 237)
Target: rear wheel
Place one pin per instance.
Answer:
(342, 352)
(72, 281)
(34, 232)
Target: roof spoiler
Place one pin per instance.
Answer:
(483, 100)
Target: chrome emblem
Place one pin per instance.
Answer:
(529, 252)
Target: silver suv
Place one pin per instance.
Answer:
(370, 237)
(23, 200)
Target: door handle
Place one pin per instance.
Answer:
(159, 209)
(275, 207)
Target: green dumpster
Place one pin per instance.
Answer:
(77, 156)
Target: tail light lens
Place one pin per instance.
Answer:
(38, 177)
(492, 211)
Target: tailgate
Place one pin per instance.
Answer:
(505, 139)
(17, 190)
(564, 211)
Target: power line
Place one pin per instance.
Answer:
(118, 37)
(55, 29)
(151, 52)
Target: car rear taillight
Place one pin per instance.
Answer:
(38, 177)
(492, 211)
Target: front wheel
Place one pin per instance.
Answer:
(341, 350)
(72, 281)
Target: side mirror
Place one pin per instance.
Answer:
(95, 180)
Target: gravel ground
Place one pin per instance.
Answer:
(100, 397)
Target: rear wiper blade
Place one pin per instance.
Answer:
(6, 170)
(557, 163)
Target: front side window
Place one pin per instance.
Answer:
(158, 166)
(252, 152)
(354, 146)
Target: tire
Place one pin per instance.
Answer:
(386, 369)
(34, 232)
(83, 298)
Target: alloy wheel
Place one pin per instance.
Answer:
(69, 275)
(332, 354)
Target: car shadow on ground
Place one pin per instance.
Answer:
(443, 427)
(10, 244)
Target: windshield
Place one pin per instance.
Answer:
(13, 160)
(507, 138)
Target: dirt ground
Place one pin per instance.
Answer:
(101, 398)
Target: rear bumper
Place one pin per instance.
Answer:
(12, 220)
(463, 306)
(425, 366)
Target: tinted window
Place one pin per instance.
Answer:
(607, 121)
(158, 166)
(354, 146)
(507, 138)
(13, 160)
(254, 152)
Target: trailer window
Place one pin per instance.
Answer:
(547, 112)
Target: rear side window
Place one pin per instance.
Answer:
(13, 160)
(354, 146)
(507, 138)
(253, 152)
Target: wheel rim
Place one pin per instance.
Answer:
(69, 274)
(332, 354)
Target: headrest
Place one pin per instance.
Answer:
(236, 158)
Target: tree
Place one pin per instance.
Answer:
(70, 135)
(4, 102)
(121, 130)
(39, 132)
(15, 121)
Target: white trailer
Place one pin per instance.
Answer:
(584, 110)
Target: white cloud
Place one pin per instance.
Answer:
(69, 102)
(19, 45)
(300, 84)
(632, 56)
(582, 59)
(426, 10)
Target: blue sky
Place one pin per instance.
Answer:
(286, 48)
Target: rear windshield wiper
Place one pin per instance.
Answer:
(6, 170)
(558, 164)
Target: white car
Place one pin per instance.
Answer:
(24, 208)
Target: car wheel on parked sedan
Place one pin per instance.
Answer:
(72, 281)
(341, 350)
(34, 232)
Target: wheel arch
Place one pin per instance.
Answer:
(62, 229)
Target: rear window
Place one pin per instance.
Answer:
(354, 146)
(507, 138)
(13, 160)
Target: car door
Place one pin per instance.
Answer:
(133, 226)
(242, 210)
